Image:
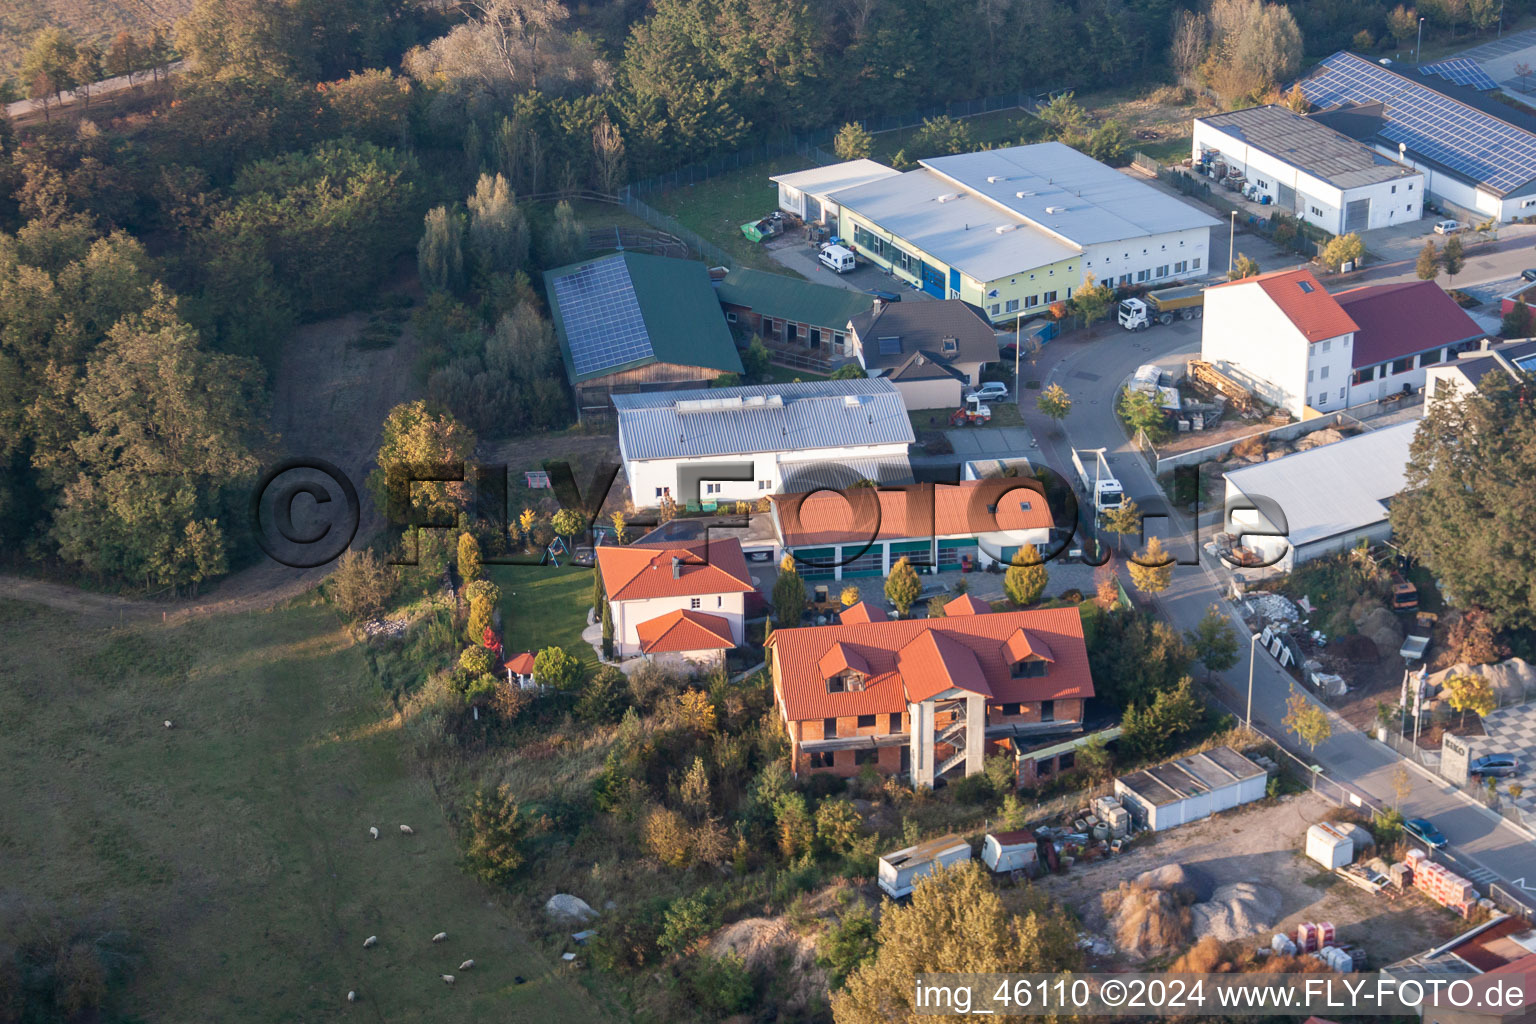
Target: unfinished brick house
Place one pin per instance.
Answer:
(929, 697)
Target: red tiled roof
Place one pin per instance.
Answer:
(1022, 644)
(684, 631)
(1304, 301)
(522, 664)
(899, 667)
(841, 658)
(965, 604)
(920, 511)
(643, 571)
(1395, 320)
(1493, 948)
(862, 612)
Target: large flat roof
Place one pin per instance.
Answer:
(1189, 776)
(1309, 145)
(1334, 488)
(820, 181)
(1069, 193)
(964, 230)
(767, 418)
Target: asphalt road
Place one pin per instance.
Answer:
(1484, 846)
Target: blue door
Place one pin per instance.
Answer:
(933, 281)
(954, 283)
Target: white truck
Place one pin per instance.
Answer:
(1100, 484)
(1163, 306)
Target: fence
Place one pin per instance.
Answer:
(709, 252)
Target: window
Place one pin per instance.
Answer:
(828, 728)
(1066, 761)
(895, 721)
(1309, 375)
(1410, 188)
(693, 602)
(866, 756)
(730, 318)
(837, 684)
(1325, 372)
(1363, 376)
(951, 346)
(838, 339)
(1181, 266)
(1049, 297)
(711, 488)
(1027, 669)
(1402, 365)
(995, 308)
(1322, 399)
(1047, 711)
(1314, 211)
(1009, 710)
(821, 759)
(1011, 306)
(1341, 394)
(1125, 279)
(658, 492)
(1195, 263)
(867, 721)
(1142, 275)
(1031, 301)
(767, 325)
(1394, 190)
(1409, 208)
(1306, 288)
(1043, 768)
(765, 485)
(1162, 271)
(890, 346)
(1426, 358)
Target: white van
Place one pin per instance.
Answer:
(836, 258)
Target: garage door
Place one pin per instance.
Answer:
(1357, 215)
(1285, 197)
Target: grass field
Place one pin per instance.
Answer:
(234, 849)
(95, 20)
(717, 208)
(542, 606)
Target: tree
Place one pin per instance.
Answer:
(1254, 47)
(794, 825)
(440, 252)
(1402, 786)
(1123, 522)
(1094, 759)
(1243, 266)
(482, 590)
(848, 371)
(1191, 32)
(1297, 100)
(360, 584)
(1055, 403)
(1517, 322)
(1342, 249)
(1139, 412)
(1428, 265)
(86, 71)
(469, 557)
(568, 522)
(1064, 115)
(47, 68)
(853, 142)
(497, 828)
(1484, 13)
(1403, 23)
(1469, 691)
(1151, 731)
(606, 620)
(1452, 258)
(902, 587)
(1464, 511)
(1473, 641)
(610, 167)
(942, 136)
(1305, 720)
(788, 595)
(559, 668)
(955, 922)
(850, 596)
(1151, 569)
(1092, 301)
(847, 945)
(125, 56)
(693, 791)
(1026, 577)
(566, 238)
(481, 616)
(1214, 641)
(838, 826)
(498, 231)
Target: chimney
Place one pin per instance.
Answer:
(677, 568)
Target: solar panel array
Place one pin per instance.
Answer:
(1462, 71)
(1434, 126)
(601, 315)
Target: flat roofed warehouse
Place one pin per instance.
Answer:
(1310, 145)
(1191, 788)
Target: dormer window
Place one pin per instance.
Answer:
(1027, 655)
(847, 682)
(951, 346)
(1031, 668)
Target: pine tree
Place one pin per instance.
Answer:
(1428, 266)
(1151, 569)
(902, 587)
(1026, 578)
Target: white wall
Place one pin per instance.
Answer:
(931, 394)
(1245, 335)
(1109, 261)
(791, 200)
(1318, 201)
(645, 476)
(1329, 373)
(627, 615)
(1392, 383)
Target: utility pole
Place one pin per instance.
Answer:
(1252, 652)
(1018, 387)
(1420, 44)
(1232, 244)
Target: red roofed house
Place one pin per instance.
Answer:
(930, 696)
(680, 602)
(864, 532)
(1309, 352)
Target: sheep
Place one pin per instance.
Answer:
(440, 937)
(450, 979)
(373, 831)
(352, 996)
(406, 830)
(466, 965)
(169, 724)
(370, 942)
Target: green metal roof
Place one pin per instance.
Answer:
(789, 298)
(682, 321)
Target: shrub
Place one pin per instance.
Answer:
(666, 837)
(687, 919)
(847, 944)
(838, 826)
(603, 697)
(360, 585)
(973, 789)
(483, 590)
(557, 667)
(721, 984)
(496, 831)
(476, 661)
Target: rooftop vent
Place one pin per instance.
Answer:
(852, 401)
(1003, 229)
(1055, 209)
(993, 179)
(946, 197)
(677, 568)
(1023, 195)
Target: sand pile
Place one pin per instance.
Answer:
(1149, 915)
(1236, 911)
(769, 944)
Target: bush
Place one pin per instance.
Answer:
(360, 585)
(688, 919)
(721, 985)
(476, 661)
(496, 831)
(973, 789)
(847, 944)
(603, 698)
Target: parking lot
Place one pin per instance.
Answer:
(1512, 730)
(798, 255)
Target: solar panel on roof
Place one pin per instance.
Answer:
(1461, 71)
(601, 315)
(1459, 137)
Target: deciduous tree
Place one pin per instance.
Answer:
(559, 668)
(1243, 266)
(1469, 691)
(498, 231)
(788, 595)
(1151, 569)
(1452, 258)
(1093, 300)
(1343, 249)
(1427, 267)
(853, 142)
(1055, 403)
(360, 584)
(1214, 641)
(440, 252)
(1305, 720)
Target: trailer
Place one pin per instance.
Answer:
(1005, 852)
(1100, 485)
(900, 871)
(1164, 305)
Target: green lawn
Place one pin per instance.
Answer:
(1004, 414)
(542, 606)
(1165, 150)
(233, 850)
(717, 208)
(999, 128)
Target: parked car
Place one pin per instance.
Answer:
(1425, 832)
(990, 391)
(1528, 274)
(1448, 227)
(1498, 765)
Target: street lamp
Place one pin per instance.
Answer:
(1252, 653)
(1417, 46)
(1232, 244)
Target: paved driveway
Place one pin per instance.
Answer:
(992, 442)
(797, 255)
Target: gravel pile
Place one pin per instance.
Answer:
(1274, 608)
(1236, 911)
